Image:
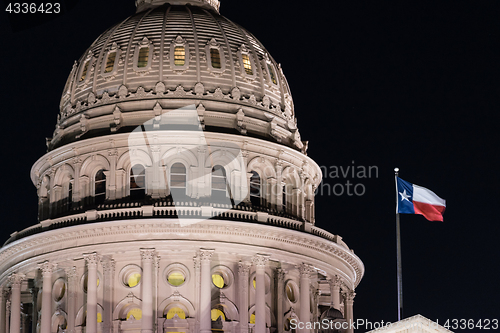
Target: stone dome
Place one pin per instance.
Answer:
(177, 53)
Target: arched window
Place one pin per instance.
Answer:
(215, 58)
(218, 316)
(255, 189)
(100, 187)
(272, 75)
(143, 57)
(137, 181)
(84, 71)
(178, 180)
(110, 62)
(176, 311)
(219, 182)
(70, 196)
(179, 56)
(285, 198)
(247, 64)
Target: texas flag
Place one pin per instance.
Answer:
(414, 199)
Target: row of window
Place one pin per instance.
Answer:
(179, 60)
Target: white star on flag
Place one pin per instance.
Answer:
(404, 196)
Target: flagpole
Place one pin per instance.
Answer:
(398, 245)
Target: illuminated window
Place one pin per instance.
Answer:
(179, 56)
(136, 313)
(215, 58)
(291, 292)
(58, 289)
(252, 318)
(137, 181)
(176, 278)
(178, 179)
(99, 318)
(130, 275)
(143, 57)
(255, 188)
(100, 187)
(216, 313)
(176, 311)
(272, 76)
(84, 71)
(218, 280)
(247, 64)
(110, 62)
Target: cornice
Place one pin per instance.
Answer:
(156, 229)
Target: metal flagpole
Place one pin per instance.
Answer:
(398, 245)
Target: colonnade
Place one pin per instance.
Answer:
(148, 259)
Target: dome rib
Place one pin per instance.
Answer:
(103, 50)
(129, 48)
(162, 42)
(229, 51)
(196, 45)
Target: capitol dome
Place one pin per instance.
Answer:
(176, 195)
(183, 51)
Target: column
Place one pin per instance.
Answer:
(108, 269)
(7, 317)
(280, 290)
(15, 299)
(349, 301)
(335, 292)
(72, 279)
(3, 309)
(92, 260)
(147, 256)
(205, 291)
(243, 270)
(46, 321)
(305, 271)
(260, 261)
(197, 288)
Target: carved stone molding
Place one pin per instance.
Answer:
(349, 296)
(16, 279)
(71, 274)
(206, 254)
(260, 259)
(280, 274)
(243, 268)
(148, 254)
(47, 268)
(305, 270)
(108, 265)
(92, 259)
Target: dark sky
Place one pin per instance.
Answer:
(413, 86)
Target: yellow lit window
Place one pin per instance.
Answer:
(218, 280)
(136, 313)
(176, 278)
(215, 58)
(110, 62)
(133, 279)
(254, 282)
(176, 311)
(252, 318)
(84, 71)
(143, 57)
(271, 74)
(216, 313)
(247, 64)
(179, 56)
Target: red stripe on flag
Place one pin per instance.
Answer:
(430, 212)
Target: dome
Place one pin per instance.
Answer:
(177, 54)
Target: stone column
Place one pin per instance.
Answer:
(197, 288)
(34, 310)
(46, 321)
(205, 291)
(349, 301)
(147, 256)
(280, 290)
(92, 260)
(108, 268)
(72, 279)
(260, 262)
(15, 299)
(243, 270)
(305, 271)
(335, 292)
(3, 309)
(7, 317)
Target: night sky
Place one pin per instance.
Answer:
(409, 86)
